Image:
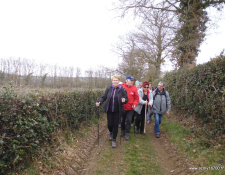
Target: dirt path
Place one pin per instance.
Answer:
(171, 161)
(84, 153)
(84, 161)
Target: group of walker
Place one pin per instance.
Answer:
(127, 100)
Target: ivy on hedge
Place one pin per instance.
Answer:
(201, 91)
(29, 119)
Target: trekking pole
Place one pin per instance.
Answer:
(145, 118)
(134, 124)
(120, 139)
(98, 125)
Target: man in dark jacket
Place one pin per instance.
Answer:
(115, 96)
(160, 103)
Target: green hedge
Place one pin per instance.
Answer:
(201, 91)
(29, 119)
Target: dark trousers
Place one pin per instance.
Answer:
(132, 121)
(127, 116)
(140, 120)
(113, 120)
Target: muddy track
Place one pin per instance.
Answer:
(171, 161)
(84, 155)
(87, 151)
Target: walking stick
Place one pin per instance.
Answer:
(120, 128)
(134, 124)
(145, 118)
(98, 125)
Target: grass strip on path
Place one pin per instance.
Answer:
(140, 156)
(135, 156)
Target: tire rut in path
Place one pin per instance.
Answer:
(171, 161)
(88, 151)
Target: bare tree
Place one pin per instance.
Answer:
(149, 46)
(155, 38)
(192, 16)
(89, 74)
(132, 59)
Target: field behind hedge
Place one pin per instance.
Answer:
(29, 118)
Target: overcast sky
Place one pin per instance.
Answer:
(72, 33)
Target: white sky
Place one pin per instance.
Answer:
(72, 33)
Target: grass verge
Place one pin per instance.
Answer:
(210, 159)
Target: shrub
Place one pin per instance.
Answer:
(201, 92)
(29, 119)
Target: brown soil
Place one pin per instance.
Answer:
(85, 153)
(171, 161)
(84, 156)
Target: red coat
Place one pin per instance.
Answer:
(133, 97)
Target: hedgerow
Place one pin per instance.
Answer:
(29, 119)
(201, 91)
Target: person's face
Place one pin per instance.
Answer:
(160, 86)
(129, 82)
(115, 82)
(146, 87)
(137, 85)
(150, 86)
(132, 82)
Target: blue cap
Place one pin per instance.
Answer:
(130, 78)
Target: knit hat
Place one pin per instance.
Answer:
(137, 82)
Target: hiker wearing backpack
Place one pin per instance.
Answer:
(140, 109)
(115, 96)
(133, 99)
(160, 103)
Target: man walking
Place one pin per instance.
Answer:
(133, 100)
(160, 103)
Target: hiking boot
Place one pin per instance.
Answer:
(126, 136)
(122, 133)
(157, 136)
(110, 136)
(114, 143)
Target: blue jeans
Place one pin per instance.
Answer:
(158, 120)
(149, 115)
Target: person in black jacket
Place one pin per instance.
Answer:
(115, 96)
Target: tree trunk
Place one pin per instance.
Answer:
(157, 72)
